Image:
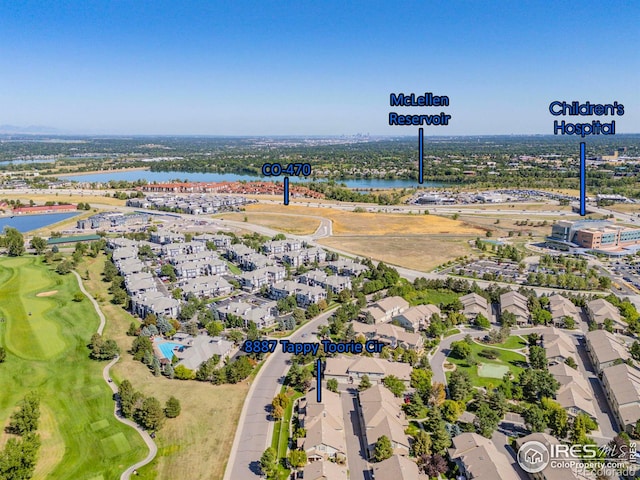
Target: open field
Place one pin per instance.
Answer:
(197, 443)
(506, 208)
(419, 252)
(41, 198)
(294, 224)
(46, 352)
(383, 224)
(506, 359)
(508, 223)
(625, 207)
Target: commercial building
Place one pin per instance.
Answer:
(599, 235)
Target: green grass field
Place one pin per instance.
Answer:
(504, 358)
(46, 352)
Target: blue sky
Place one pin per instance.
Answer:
(311, 67)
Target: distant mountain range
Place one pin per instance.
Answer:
(33, 129)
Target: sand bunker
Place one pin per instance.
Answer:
(47, 294)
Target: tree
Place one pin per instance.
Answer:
(451, 410)
(394, 384)
(482, 322)
(571, 362)
(172, 407)
(486, 420)
(440, 439)
(3, 354)
(432, 465)
(183, 373)
(332, 385)
(461, 350)
(537, 358)
(459, 385)
(168, 270)
(635, 350)
(535, 418)
(364, 383)
(150, 416)
(269, 462)
(556, 418)
(298, 458)
(421, 443)
(14, 241)
(25, 420)
(382, 449)
(39, 244)
(438, 394)
(215, 328)
(64, 267)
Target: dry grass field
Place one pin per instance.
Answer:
(41, 198)
(420, 252)
(625, 208)
(376, 224)
(294, 224)
(196, 444)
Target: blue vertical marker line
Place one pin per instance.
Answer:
(286, 190)
(583, 180)
(420, 154)
(319, 380)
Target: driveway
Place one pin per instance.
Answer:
(356, 457)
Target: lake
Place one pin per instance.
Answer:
(26, 223)
(133, 175)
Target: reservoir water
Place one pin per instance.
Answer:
(160, 177)
(26, 223)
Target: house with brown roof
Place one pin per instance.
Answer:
(324, 425)
(352, 369)
(390, 335)
(381, 415)
(575, 395)
(474, 305)
(384, 310)
(561, 308)
(604, 349)
(324, 470)
(417, 318)
(479, 459)
(517, 304)
(621, 384)
(397, 467)
(558, 346)
(600, 310)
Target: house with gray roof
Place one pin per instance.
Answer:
(200, 349)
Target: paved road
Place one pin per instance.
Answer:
(153, 449)
(255, 429)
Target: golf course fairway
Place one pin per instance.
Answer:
(45, 338)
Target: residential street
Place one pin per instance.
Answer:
(255, 428)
